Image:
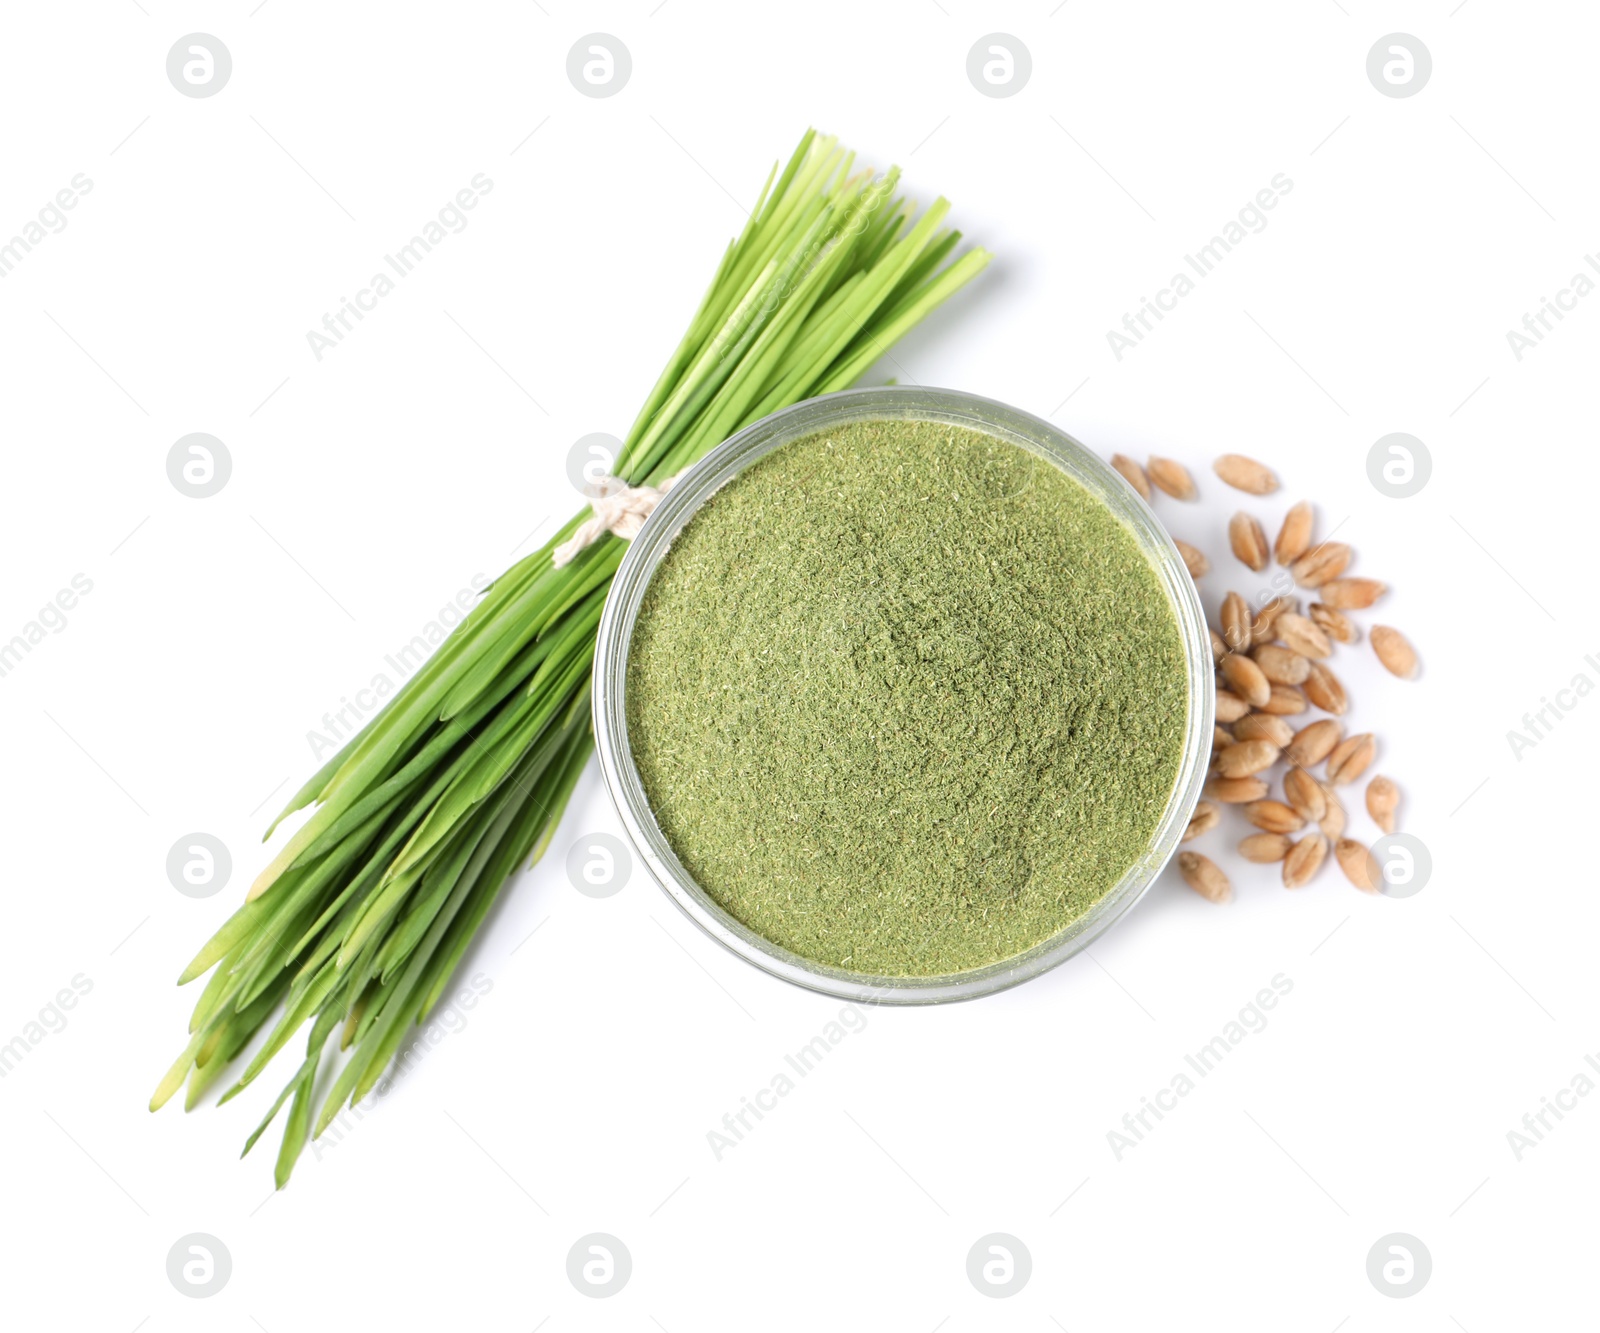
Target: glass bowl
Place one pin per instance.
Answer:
(726, 461)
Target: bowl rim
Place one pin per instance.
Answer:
(696, 485)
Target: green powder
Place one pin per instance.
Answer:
(906, 699)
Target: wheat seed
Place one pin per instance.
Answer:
(1235, 617)
(1304, 860)
(1261, 630)
(1274, 816)
(1333, 818)
(1244, 758)
(1383, 803)
(1305, 795)
(1321, 564)
(1245, 474)
(1133, 474)
(1350, 758)
(1313, 743)
(1194, 559)
(1202, 875)
(1394, 651)
(1264, 848)
(1207, 815)
(1282, 666)
(1294, 537)
(1230, 707)
(1245, 679)
(1236, 791)
(1334, 623)
(1248, 541)
(1326, 690)
(1358, 864)
(1352, 594)
(1171, 477)
(1285, 701)
(1302, 635)
(1263, 727)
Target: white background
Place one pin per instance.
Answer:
(369, 486)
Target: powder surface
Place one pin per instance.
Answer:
(905, 698)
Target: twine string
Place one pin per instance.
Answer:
(619, 508)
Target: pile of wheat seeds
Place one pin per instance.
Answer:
(1286, 769)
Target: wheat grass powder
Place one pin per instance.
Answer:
(905, 698)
